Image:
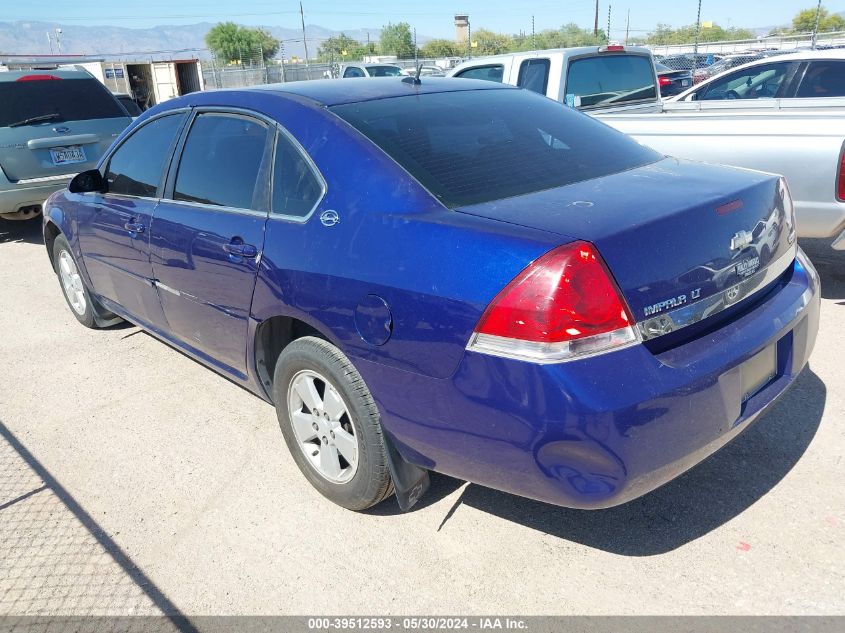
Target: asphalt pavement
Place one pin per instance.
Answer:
(135, 481)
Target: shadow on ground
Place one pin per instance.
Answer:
(28, 231)
(687, 508)
(831, 267)
(58, 562)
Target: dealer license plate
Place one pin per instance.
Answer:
(68, 155)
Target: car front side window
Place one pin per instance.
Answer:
(353, 71)
(748, 83)
(137, 167)
(495, 73)
(221, 162)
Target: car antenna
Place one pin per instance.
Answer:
(416, 78)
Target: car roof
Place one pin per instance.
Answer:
(330, 92)
(14, 75)
(575, 50)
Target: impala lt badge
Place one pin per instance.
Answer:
(673, 302)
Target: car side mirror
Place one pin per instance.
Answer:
(88, 182)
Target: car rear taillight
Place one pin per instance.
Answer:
(563, 306)
(38, 78)
(840, 182)
(664, 81)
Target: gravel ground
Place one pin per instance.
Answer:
(133, 480)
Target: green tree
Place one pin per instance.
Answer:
(805, 21)
(396, 39)
(339, 47)
(231, 42)
(664, 34)
(490, 43)
(567, 35)
(440, 48)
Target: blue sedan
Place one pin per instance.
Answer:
(447, 275)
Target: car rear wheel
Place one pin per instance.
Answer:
(331, 424)
(73, 286)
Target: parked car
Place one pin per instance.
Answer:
(370, 70)
(809, 74)
(540, 320)
(732, 61)
(53, 124)
(590, 78)
(672, 82)
(689, 61)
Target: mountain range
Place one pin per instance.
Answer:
(30, 38)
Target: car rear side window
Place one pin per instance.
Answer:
(70, 99)
(610, 79)
(494, 72)
(221, 162)
(296, 188)
(474, 146)
(534, 75)
(823, 79)
(137, 167)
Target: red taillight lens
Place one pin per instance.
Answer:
(37, 78)
(840, 183)
(565, 295)
(664, 81)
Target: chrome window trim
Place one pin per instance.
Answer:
(684, 316)
(296, 219)
(111, 152)
(214, 207)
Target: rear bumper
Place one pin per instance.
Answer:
(819, 219)
(600, 431)
(14, 197)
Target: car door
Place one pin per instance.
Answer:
(208, 232)
(114, 226)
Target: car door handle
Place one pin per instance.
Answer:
(134, 227)
(241, 250)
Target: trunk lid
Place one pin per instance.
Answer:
(673, 233)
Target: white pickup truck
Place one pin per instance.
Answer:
(800, 138)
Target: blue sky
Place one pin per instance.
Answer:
(430, 17)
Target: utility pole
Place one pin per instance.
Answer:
(697, 35)
(816, 28)
(304, 39)
(50, 41)
(469, 39)
(59, 41)
(596, 25)
(416, 52)
(627, 27)
(609, 7)
(533, 35)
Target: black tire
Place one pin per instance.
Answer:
(87, 316)
(371, 481)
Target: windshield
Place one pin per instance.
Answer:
(384, 71)
(594, 81)
(480, 145)
(67, 99)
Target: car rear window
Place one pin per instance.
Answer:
(610, 79)
(480, 145)
(384, 71)
(71, 99)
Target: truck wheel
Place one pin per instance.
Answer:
(76, 294)
(331, 424)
